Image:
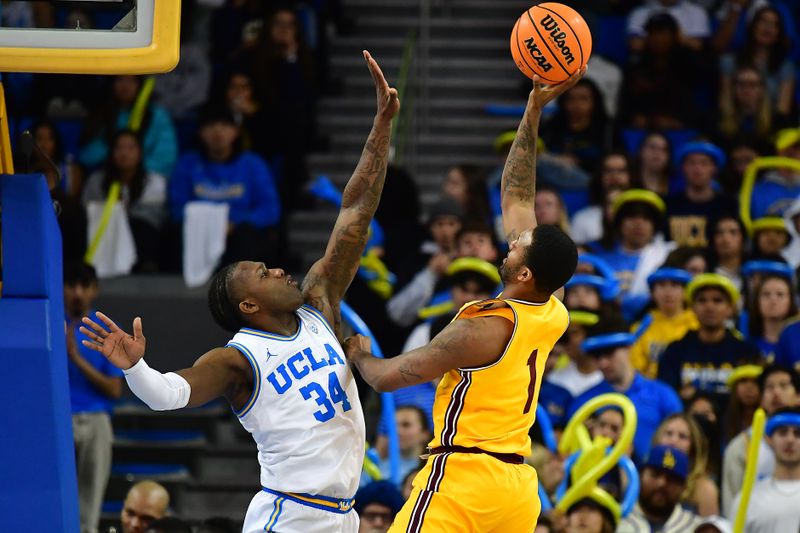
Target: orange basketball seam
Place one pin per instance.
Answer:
(544, 42)
(574, 33)
(534, 70)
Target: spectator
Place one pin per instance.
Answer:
(94, 385)
(614, 177)
(122, 111)
(691, 21)
(681, 432)
(777, 189)
(590, 516)
(222, 173)
(742, 153)
(766, 48)
(663, 480)
(727, 237)
(689, 212)
(670, 320)
(282, 68)
(654, 401)
(581, 373)
(770, 238)
(376, 505)
(466, 184)
(714, 524)
(587, 291)
(67, 191)
(703, 409)
(703, 359)
(417, 286)
(778, 387)
(693, 260)
(658, 89)
(476, 239)
(745, 398)
(146, 502)
(143, 193)
(248, 112)
(550, 209)
(772, 306)
(580, 130)
(773, 501)
(413, 433)
(635, 248)
(169, 524)
(745, 108)
(554, 399)
(544, 525)
(652, 167)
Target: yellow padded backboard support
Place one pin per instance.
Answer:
(160, 56)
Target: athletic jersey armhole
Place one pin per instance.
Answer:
(256, 378)
(508, 344)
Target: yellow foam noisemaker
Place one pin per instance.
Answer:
(749, 180)
(108, 208)
(766, 223)
(786, 138)
(638, 195)
(757, 433)
(702, 281)
(381, 284)
(744, 372)
(473, 264)
(583, 318)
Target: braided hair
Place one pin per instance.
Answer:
(223, 309)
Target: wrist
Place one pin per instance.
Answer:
(136, 368)
(381, 122)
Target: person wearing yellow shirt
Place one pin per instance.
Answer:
(669, 321)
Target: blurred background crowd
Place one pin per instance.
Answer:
(674, 165)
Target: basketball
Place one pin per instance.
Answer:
(551, 40)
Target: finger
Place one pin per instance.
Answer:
(137, 329)
(92, 345)
(97, 328)
(376, 72)
(108, 322)
(91, 335)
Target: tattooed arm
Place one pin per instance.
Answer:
(328, 279)
(462, 344)
(518, 186)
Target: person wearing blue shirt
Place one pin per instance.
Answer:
(223, 173)
(777, 190)
(94, 385)
(610, 345)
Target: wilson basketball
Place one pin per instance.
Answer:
(551, 40)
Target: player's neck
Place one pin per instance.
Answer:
(518, 292)
(285, 324)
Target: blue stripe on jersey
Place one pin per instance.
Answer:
(323, 503)
(276, 513)
(316, 312)
(256, 378)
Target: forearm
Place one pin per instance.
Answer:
(384, 375)
(363, 190)
(161, 392)
(518, 184)
(107, 385)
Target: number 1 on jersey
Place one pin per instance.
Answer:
(532, 384)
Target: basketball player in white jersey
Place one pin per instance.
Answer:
(284, 372)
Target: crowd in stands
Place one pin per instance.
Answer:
(685, 299)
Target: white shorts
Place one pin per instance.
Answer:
(284, 514)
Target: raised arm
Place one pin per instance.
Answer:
(328, 279)
(219, 372)
(462, 344)
(518, 186)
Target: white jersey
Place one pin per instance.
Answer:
(304, 413)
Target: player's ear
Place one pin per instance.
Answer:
(248, 306)
(525, 274)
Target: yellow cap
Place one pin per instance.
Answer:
(776, 223)
(786, 138)
(701, 281)
(473, 264)
(638, 195)
(744, 372)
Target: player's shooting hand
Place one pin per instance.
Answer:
(542, 94)
(121, 349)
(356, 343)
(388, 101)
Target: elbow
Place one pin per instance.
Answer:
(383, 385)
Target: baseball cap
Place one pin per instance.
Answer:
(445, 207)
(670, 460)
(786, 138)
(702, 281)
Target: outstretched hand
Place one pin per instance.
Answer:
(388, 101)
(356, 343)
(542, 94)
(122, 349)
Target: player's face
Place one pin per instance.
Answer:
(786, 443)
(515, 260)
(668, 296)
(271, 288)
(712, 307)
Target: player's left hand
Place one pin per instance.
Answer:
(541, 94)
(356, 343)
(388, 101)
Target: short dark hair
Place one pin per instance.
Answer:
(552, 256)
(475, 226)
(223, 308)
(79, 273)
(778, 369)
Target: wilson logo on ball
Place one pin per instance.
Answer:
(558, 37)
(537, 55)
